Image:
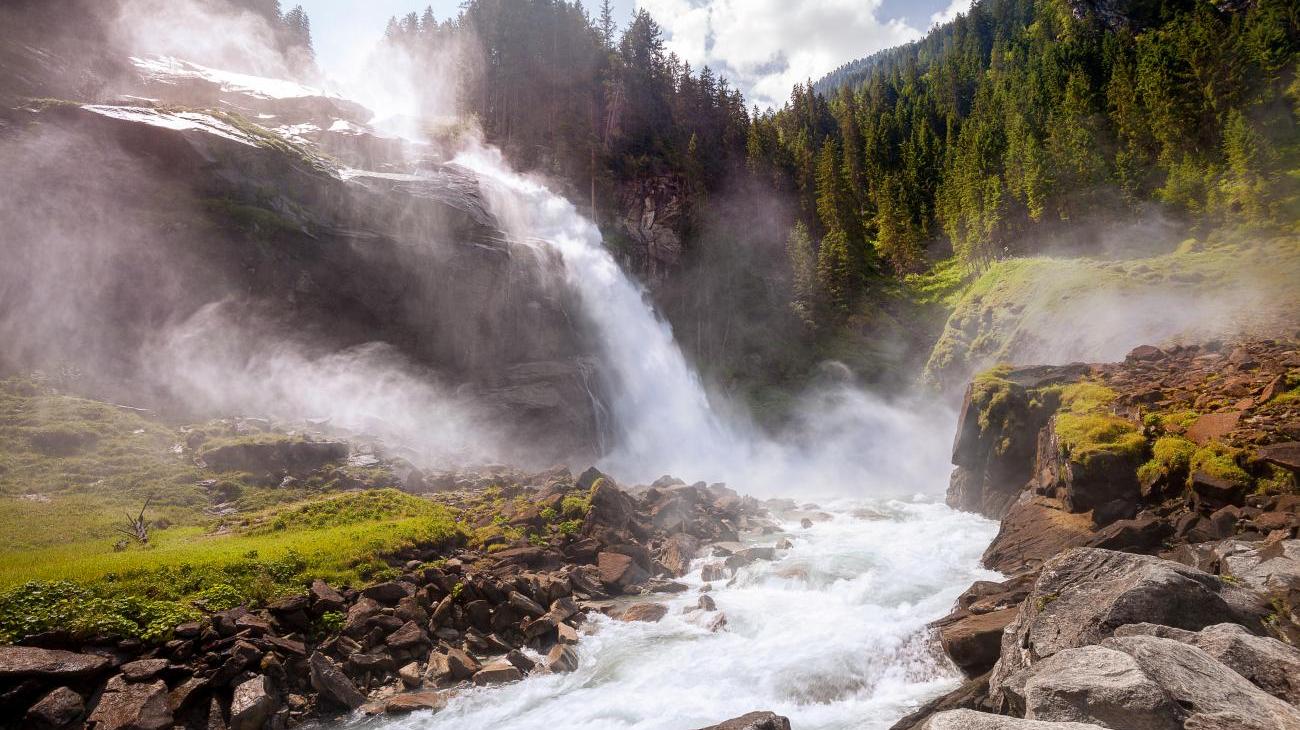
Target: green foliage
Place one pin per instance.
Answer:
(575, 506)
(38, 607)
(548, 514)
(1086, 428)
(569, 527)
(1170, 456)
(1220, 461)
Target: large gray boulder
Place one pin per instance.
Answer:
(1083, 595)
(1210, 694)
(1265, 662)
(1272, 567)
(1093, 684)
(972, 720)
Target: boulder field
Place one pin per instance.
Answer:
(1149, 521)
(445, 622)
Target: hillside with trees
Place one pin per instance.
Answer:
(1023, 126)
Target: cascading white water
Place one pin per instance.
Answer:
(832, 634)
(665, 423)
(659, 406)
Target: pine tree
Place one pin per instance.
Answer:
(607, 25)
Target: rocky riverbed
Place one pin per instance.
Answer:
(1145, 574)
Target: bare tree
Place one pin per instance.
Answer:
(137, 528)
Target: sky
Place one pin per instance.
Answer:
(763, 46)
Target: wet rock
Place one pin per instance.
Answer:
(497, 672)
(647, 612)
(58, 709)
(562, 658)
(332, 684)
(566, 634)
(1034, 530)
(974, 642)
(754, 721)
(28, 662)
(142, 706)
(182, 697)
(1213, 492)
(520, 661)
(706, 603)
(409, 702)
(411, 675)
(618, 571)
(354, 624)
(712, 572)
(252, 704)
(461, 664)
(745, 556)
(678, 552)
(972, 694)
(526, 605)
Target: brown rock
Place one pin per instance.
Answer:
(408, 702)
(562, 659)
(497, 672)
(975, 642)
(1286, 455)
(58, 709)
(252, 704)
(133, 707)
(324, 598)
(1213, 426)
(26, 662)
(619, 571)
(462, 665)
(1034, 530)
(648, 612)
(332, 684)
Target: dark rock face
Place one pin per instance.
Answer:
(975, 642)
(754, 721)
(413, 263)
(654, 213)
(328, 679)
(288, 457)
(997, 438)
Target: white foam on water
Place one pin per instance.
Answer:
(831, 635)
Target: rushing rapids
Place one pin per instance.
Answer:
(831, 636)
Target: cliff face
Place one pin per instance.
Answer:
(1150, 513)
(276, 206)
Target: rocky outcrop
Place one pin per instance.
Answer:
(652, 220)
(753, 721)
(1153, 545)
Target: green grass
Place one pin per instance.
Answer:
(1220, 461)
(1170, 455)
(1086, 428)
(1001, 315)
(943, 284)
(72, 467)
(338, 538)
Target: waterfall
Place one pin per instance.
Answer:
(661, 414)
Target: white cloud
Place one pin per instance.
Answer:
(767, 46)
(950, 13)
